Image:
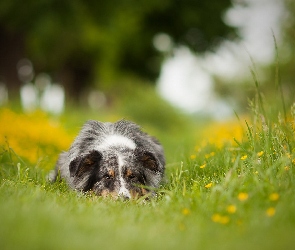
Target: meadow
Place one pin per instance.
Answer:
(228, 185)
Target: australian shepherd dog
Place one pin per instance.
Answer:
(112, 159)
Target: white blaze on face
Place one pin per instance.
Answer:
(123, 191)
(116, 140)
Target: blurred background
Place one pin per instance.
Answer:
(139, 55)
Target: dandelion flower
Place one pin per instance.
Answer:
(274, 196)
(220, 219)
(224, 220)
(202, 166)
(231, 209)
(186, 211)
(193, 157)
(216, 217)
(210, 155)
(32, 136)
(243, 196)
(259, 154)
(209, 185)
(270, 211)
(287, 168)
(244, 157)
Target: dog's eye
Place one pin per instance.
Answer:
(108, 177)
(132, 176)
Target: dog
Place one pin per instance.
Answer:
(112, 159)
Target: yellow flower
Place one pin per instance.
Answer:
(209, 185)
(270, 211)
(220, 219)
(287, 168)
(243, 196)
(33, 136)
(210, 155)
(186, 211)
(193, 157)
(223, 133)
(274, 196)
(231, 209)
(244, 157)
(224, 220)
(216, 217)
(259, 154)
(202, 166)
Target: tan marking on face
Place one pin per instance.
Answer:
(134, 194)
(137, 193)
(111, 173)
(128, 173)
(144, 191)
(104, 193)
(107, 193)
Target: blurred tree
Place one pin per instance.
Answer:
(276, 78)
(279, 83)
(286, 51)
(81, 40)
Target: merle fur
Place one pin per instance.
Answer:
(85, 168)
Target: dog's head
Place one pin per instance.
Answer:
(116, 173)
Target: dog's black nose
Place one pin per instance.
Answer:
(124, 197)
(124, 194)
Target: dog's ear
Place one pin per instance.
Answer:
(85, 163)
(148, 160)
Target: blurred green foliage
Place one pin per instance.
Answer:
(87, 41)
(287, 50)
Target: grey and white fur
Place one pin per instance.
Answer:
(112, 159)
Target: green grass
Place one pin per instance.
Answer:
(244, 197)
